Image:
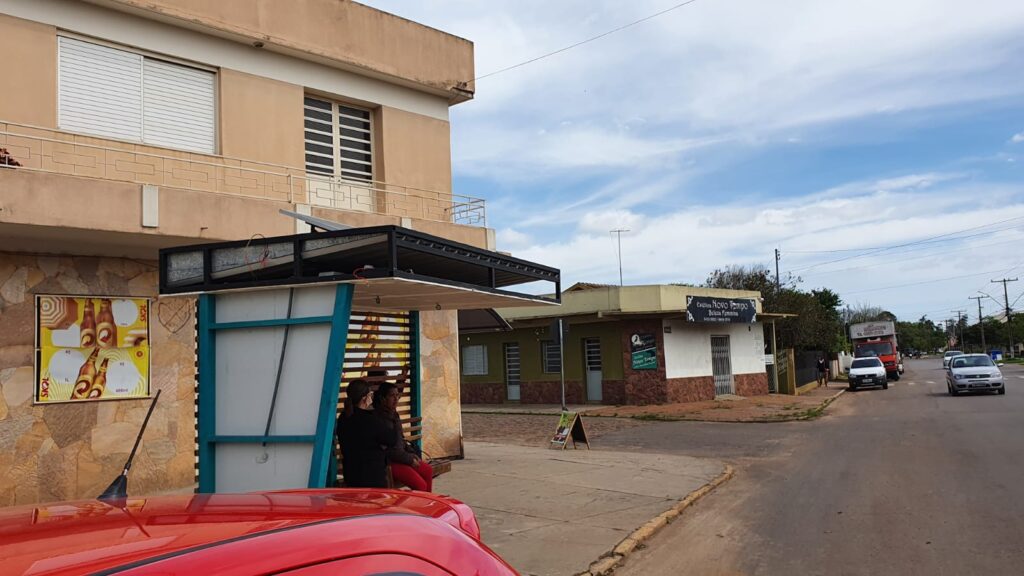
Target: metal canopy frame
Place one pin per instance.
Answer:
(355, 254)
(365, 265)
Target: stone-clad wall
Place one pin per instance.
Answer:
(643, 386)
(693, 389)
(484, 393)
(439, 357)
(68, 451)
(751, 384)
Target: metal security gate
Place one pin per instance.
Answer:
(592, 360)
(512, 370)
(721, 365)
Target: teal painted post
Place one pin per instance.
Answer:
(207, 393)
(414, 359)
(323, 445)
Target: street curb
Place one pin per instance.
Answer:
(610, 561)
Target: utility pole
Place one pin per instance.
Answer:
(958, 330)
(1009, 319)
(981, 322)
(618, 232)
(777, 256)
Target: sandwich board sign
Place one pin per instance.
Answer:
(570, 427)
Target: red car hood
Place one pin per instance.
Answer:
(87, 536)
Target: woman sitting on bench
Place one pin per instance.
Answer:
(406, 466)
(363, 437)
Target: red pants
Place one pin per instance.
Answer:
(420, 478)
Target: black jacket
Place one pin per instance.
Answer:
(398, 453)
(364, 437)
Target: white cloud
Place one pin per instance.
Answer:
(511, 239)
(1017, 138)
(600, 223)
(638, 114)
(685, 245)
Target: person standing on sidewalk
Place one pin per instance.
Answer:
(822, 371)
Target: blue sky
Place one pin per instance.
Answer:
(727, 128)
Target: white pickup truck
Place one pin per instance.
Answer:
(867, 372)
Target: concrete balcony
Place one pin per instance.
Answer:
(60, 182)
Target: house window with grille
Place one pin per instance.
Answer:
(474, 360)
(338, 140)
(551, 356)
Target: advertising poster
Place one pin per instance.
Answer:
(92, 348)
(570, 427)
(643, 351)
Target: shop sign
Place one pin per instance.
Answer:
(91, 348)
(720, 310)
(644, 351)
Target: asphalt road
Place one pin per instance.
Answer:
(901, 481)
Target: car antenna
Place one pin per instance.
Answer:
(118, 489)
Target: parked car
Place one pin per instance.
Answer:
(298, 533)
(974, 373)
(949, 355)
(867, 372)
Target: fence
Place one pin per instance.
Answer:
(57, 152)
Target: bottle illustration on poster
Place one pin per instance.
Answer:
(92, 348)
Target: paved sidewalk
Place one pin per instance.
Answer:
(554, 512)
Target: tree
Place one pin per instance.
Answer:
(818, 324)
(867, 313)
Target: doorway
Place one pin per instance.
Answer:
(721, 365)
(592, 368)
(512, 370)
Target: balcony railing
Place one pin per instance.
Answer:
(57, 152)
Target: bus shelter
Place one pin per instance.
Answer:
(277, 316)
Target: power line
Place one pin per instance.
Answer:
(838, 250)
(922, 282)
(885, 248)
(980, 291)
(917, 257)
(588, 40)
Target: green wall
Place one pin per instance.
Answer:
(529, 340)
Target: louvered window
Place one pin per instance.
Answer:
(121, 94)
(551, 356)
(338, 140)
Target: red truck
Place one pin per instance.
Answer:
(878, 339)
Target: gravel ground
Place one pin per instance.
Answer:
(769, 408)
(533, 430)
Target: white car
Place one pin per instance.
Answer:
(867, 372)
(974, 373)
(948, 356)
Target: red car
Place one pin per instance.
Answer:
(296, 532)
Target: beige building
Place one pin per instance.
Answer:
(652, 344)
(127, 126)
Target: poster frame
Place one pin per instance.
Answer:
(37, 350)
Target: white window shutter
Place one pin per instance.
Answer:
(99, 90)
(179, 107)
